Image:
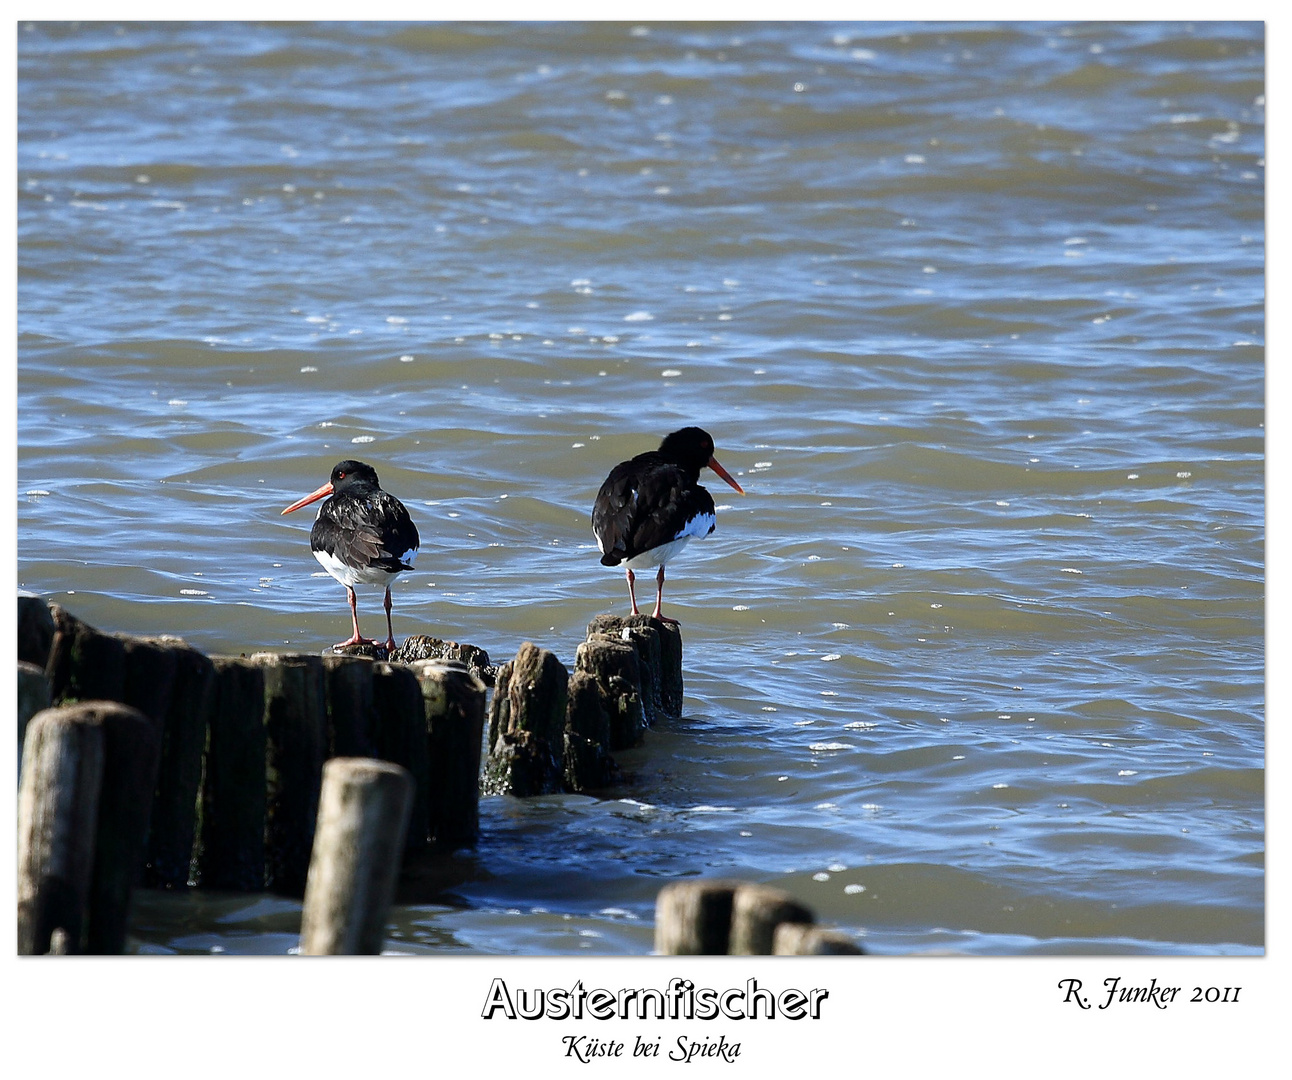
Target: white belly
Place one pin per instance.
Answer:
(349, 575)
(657, 556)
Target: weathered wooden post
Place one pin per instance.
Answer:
(148, 676)
(527, 725)
(423, 647)
(179, 778)
(671, 689)
(33, 697)
(295, 743)
(58, 805)
(348, 683)
(669, 635)
(455, 701)
(798, 939)
(756, 911)
(83, 665)
(613, 663)
(693, 918)
(399, 735)
(35, 629)
(358, 848)
(643, 634)
(132, 753)
(231, 848)
(587, 764)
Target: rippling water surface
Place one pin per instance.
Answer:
(974, 312)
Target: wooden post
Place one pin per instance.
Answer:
(527, 725)
(358, 849)
(348, 682)
(84, 665)
(132, 753)
(58, 805)
(179, 778)
(33, 696)
(454, 701)
(669, 681)
(756, 911)
(148, 677)
(35, 629)
(295, 742)
(423, 647)
(798, 939)
(587, 763)
(613, 663)
(693, 918)
(639, 632)
(231, 846)
(399, 736)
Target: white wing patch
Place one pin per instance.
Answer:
(700, 526)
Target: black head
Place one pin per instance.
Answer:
(691, 448)
(352, 472)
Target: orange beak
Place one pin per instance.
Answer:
(326, 489)
(713, 464)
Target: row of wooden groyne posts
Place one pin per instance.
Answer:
(144, 762)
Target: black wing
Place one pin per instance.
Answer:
(399, 534)
(368, 530)
(644, 503)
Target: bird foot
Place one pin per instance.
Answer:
(355, 639)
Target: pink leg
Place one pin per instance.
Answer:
(659, 598)
(356, 638)
(632, 592)
(390, 632)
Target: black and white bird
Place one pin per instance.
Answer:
(362, 536)
(649, 507)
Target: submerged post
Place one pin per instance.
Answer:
(358, 848)
(613, 663)
(664, 653)
(527, 725)
(693, 918)
(756, 911)
(798, 939)
(587, 762)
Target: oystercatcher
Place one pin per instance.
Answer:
(362, 536)
(649, 507)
